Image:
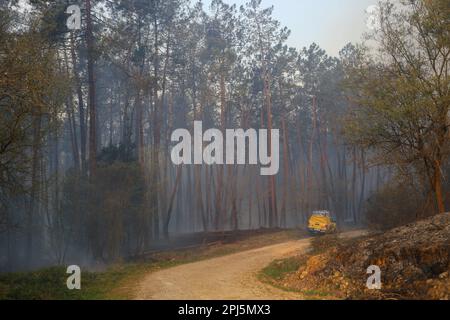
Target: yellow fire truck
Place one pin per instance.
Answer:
(321, 222)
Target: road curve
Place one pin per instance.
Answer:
(231, 277)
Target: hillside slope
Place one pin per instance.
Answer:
(414, 261)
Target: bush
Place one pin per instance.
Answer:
(106, 215)
(394, 205)
(116, 211)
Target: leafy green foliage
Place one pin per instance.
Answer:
(400, 103)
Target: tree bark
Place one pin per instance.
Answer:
(438, 186)
(92, 94)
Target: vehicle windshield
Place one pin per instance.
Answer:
(322, 213)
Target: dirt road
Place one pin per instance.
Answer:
(232, 277)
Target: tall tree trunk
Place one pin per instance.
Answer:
(363, 184)
(311, 156)
(219, 196)
(286, 172)
(171, 201)
(82, 116)
(34, 192)
(139, 129)
(273, 212)
(354, 208)
(92, 94)
(438, 186)
(71, 122)
(156, 131)
(303, 196)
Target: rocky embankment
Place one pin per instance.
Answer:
(414, 262)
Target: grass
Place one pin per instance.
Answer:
(316, 294)
(120, 281)
(117, 283)
(278, 270)
(44, 285)
(50, 284)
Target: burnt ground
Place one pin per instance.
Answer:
(190, 243)
(414, 262)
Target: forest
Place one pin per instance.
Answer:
(87, 116)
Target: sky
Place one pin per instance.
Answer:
(329, 23)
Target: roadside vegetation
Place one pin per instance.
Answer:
(120, 281)
(414, 262)
(278, 271)
(50, 284)
(86, 123)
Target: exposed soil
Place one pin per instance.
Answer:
(231, 277)
(414, 262)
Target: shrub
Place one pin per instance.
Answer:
(106, 215)
(394, 205)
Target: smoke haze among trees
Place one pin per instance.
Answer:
(87, 116)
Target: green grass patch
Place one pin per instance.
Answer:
(316, 294)
(50, 284)
(119, 282)
(274, 273)
(278, 269)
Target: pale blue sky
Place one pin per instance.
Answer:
(329, 23)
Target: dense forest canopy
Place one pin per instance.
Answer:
(87, 116)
